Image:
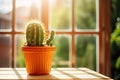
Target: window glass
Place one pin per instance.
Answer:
(60, 14)
(19, 58)
(25, 11)
(5, 50)
(5, 15)
(61, 56)
(86, 51)
(85, 15)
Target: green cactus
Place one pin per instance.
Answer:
(49, 41)
(35, 34)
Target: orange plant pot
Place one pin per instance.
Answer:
(38, 60)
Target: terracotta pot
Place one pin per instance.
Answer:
(38, 60)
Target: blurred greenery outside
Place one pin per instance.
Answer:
(86, 51)
(115, 39)
(85, 14)
(60, 19)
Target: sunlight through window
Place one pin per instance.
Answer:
(28, 3)
(31, 9)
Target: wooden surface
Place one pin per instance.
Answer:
(56, 74)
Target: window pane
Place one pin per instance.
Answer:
(5, 15)
(19, 58)
(26, 10)
(86, 51)
(85, 14)
(60, 14)
(5, 51)
(61, 56)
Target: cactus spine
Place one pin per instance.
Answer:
(35, 34)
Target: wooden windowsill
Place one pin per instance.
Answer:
(56, 73)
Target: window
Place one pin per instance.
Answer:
(79, 28)
(78, 25)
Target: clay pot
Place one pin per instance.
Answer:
(38, 60)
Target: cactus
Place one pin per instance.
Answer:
(49, 41)
(35, 34)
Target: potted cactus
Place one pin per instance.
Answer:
(38, 51)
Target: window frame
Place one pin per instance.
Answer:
(103, 33)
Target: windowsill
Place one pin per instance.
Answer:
(56, 73)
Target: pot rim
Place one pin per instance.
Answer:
(38, 48)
